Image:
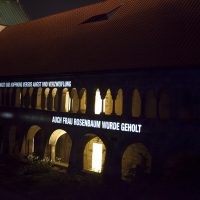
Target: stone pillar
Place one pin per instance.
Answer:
(90, 100)
(114, 92)
(76, 156)
(112, 166)
(53, 153)
(103, 92)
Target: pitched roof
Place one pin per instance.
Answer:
(11, 13)
(139, 34)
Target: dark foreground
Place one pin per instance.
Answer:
(20, 180)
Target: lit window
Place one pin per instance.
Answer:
(98, 102)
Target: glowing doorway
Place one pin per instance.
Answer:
(97, 157)
(94, 155)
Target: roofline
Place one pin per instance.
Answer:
(101, 72)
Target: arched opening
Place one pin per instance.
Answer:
(108, 103)
(30, 92)
(18, 97)
(24, 92)
(164, 106)
(10, 95)
(4, 94)
(83, 100)
(66, 101)
(94, 154)
(119, 103)
(53, 100)
(136, 103)
(151, 105)
(98, 103)
(35, 142)
(7, 95)
(39, 99)
(46, 95)
(75, 101)
(60, 147)
(136, 162)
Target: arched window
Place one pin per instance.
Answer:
(164, 106)
(119, 103)
(66, 101)
(39, 99)
(46, 95)
(18, 97)
(108, 103)
(136, 103)
(30, 91)
(98, 102)
(5, 94)
(10, 95)
(83, 101)
(24, 91)
(75, 101)
(54, 93)
(150, 105)
(136, 161)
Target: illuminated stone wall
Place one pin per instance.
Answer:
(70, 124)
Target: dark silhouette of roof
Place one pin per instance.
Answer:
(112, 35)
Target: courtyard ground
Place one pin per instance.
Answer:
(20, 180)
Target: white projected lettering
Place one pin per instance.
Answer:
(36, 84)
(115, 126)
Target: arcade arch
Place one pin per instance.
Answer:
(136, 161)
(18, 97)
(24, 92)
(39, 99)
(136, 103)
(65, 101)
(98, 102)
(30, 92)
(83, 100)
(164, 106)
(108, 103)
(10, 94)
(53, 99)
(74, 101)
(150, 105)
(34, 142)
(46, 95)
(94, 154)
(119, 103)
(60, 147)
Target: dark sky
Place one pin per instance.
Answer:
(40, 8)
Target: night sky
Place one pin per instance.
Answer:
(37, 9)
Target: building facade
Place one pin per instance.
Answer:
(117, 124)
